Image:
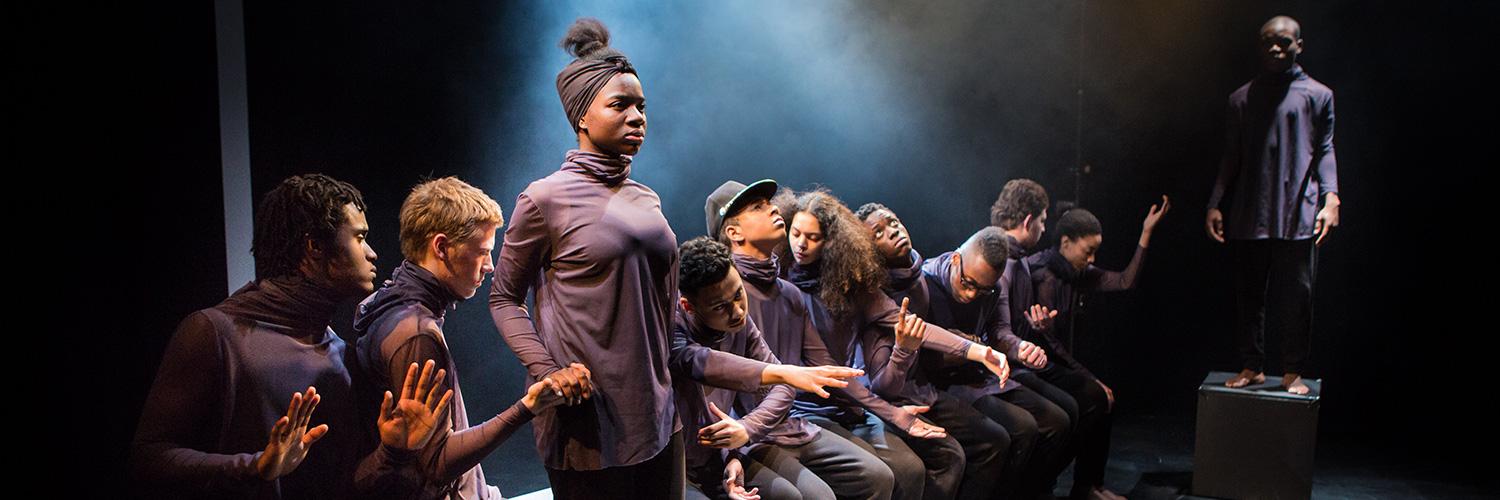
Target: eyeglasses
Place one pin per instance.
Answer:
(970, 283)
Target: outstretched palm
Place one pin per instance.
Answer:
(290, 438)
(410, 422)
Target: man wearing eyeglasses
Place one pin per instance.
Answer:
(958, 290)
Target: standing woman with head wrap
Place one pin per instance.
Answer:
(593, 246)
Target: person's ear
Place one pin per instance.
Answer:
(733, 234)
(686, 305)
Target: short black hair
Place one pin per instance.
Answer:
(870, 208)
(1018, 199)
(302, 207)
(1077, 223)
(992, 244)
(702, 262)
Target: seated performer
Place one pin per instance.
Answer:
(958, 291)
(713, 316)
(821, 461)
(1058, 275)
(836, 266)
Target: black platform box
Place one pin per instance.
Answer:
(1254, 442)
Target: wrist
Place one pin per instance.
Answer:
(773, 374)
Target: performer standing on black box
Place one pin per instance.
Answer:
(1278, 166)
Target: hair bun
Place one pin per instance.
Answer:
(586, 37)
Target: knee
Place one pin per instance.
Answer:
(1052, 422)
(1023, 430)
(880, 478)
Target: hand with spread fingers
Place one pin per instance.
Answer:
(812, 379)
(1040, 317)
(290, 438)
(411, 421)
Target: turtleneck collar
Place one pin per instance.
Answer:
(1017, 251)
(1059, 265)
(759, 272)
(609, 169)
(807, 277)
(292, 301)
(1282, 77)
(409, 283)
(902, 278)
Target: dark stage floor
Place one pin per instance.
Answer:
(1152, 458)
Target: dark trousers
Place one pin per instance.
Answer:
(662, 476)
(708, 482)
(871, 434)
(1039, 431)
(825, 468)
(983, 444)
(1278, 274)
(1090, 441)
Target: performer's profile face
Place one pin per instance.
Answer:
(616, 119)
(349, 266)
(721, 306)
(805, 238)
(1080, 252)
(1280, 45)
(758, 220)
(468, 262)
(891, 239)
(1035, 227)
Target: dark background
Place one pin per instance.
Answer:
(927, 108)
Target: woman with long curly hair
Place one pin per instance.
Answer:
(835, 263)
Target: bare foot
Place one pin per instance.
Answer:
(1102, 494)
(1246, 377)
(1293, 384)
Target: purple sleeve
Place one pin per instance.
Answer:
(883, 311)
(1229, 165)
(178, 415)
(521, 259)
(1327, 168)
(815, 353)
(775, 400)
(1100, 280)
(453, 453)
(997, 331)
(463, 450)
(712, 367)
(886, 363)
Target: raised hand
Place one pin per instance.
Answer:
(409, 423)
(1032, 355)
(810, 378)
(910, 330)
(1214, 224)
(290, 438)
(726, 433)
(1040, 317)
(1154, 215)
(734, 482)
(548, 392)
